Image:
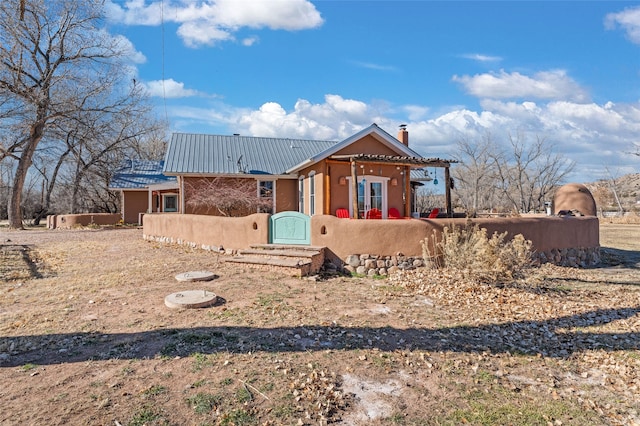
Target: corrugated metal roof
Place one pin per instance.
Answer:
(190, 153)
(138, 174)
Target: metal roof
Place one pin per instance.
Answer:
(138, 174)
(190, 153)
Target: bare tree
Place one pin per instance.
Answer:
(529, 172)
(474, 174)
(55, 64)
(227, 197)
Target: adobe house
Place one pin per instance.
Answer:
(368, 175)
(144, 189)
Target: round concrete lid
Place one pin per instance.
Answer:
(196, 276)
(191, 299)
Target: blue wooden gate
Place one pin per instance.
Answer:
(290, 228)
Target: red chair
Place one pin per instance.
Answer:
(374, 214)
(434, 213)
(394, 213)
(342, 213)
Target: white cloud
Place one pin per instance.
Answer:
(135, 12)
(334, 119)
(555, 84)
(206, 22)
(170, 89)
(374, 66)
(628, 20)
(249, 41)
(129, 50)
(481, 58)
(593, 135)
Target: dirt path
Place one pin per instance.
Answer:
(85, 338)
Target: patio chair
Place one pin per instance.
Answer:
(374, 214)
(342, 213)
(434, 213)
(394, 213)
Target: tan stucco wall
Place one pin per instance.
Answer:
(204, 230)
(390, 237)
(380, 237)
(84, 219)
(286, 195)
(135, 202)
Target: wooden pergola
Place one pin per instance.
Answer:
(407, 163)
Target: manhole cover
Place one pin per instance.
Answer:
(191, 299)
(196, 276)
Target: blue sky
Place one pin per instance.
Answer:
(566, 71)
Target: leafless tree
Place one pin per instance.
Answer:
(528, 172)
(227, 197)
(475, 174)
(56, 66)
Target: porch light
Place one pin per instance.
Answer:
(394, 182)
(342, 180)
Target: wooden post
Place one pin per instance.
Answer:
(354, 189)
(327, 190)
(407, 191)
(447, 192)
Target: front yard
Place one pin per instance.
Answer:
(86, 339)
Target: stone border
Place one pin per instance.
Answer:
(373, 265)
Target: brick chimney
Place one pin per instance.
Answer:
(403, 135)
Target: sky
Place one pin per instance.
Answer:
(565, 71)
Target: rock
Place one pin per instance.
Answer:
(353, 260)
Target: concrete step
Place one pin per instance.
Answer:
(287, 247)
(287, 265)
(295, 259)
(279, 252)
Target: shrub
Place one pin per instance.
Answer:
(470, 251)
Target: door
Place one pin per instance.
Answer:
(372, 194)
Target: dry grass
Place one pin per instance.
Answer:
(86, 339)
(468, 252)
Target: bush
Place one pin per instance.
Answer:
(470, 251)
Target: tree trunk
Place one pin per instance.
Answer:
(26, 158)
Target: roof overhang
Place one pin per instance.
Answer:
(257, 176)
(397, 160)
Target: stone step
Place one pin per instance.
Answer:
(286, 247)
(279, 252)
(295, 267)
(297, 259)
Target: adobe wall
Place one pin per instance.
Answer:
(135, 202)
(83, 219)
(568, 240)
(217, 233)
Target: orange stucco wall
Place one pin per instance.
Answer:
(84, 219)
(135, 202)
(380, 237)
(208, 231)
(390, 237)
(286, 195)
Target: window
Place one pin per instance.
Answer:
(312, 193)
(301, 194)
(170, 203)
(265, 192)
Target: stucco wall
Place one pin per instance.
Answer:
(390, 237)
(135, 202)
(85, 219)
(344, 237)
(213, 232)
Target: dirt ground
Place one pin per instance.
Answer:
(86, 339)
